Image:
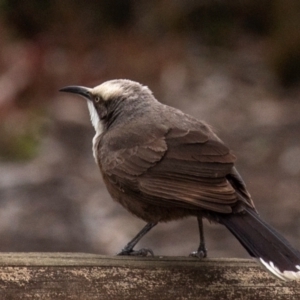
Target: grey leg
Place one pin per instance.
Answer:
(128, 249)
(202, 251)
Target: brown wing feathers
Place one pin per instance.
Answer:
(183, 167)
(193, 171)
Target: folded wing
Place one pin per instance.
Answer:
(183, 168)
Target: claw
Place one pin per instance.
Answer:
(198, 254)
(140, 252)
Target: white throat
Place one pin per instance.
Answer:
(95, 118)
(96, 124)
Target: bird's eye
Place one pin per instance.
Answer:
(97, 99)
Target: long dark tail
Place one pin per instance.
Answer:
(264, 243)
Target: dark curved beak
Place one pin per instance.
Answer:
(80, 90)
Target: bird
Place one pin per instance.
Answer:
(162, 164)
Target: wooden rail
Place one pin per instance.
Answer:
(87, 276)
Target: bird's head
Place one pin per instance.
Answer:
(102, 100)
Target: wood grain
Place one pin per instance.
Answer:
(88, 276)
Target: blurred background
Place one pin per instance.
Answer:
(234, 64)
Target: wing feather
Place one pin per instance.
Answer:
(183, 168)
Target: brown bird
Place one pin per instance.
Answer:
(162, 165)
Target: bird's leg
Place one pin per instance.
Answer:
(202, 251)
(128, 249)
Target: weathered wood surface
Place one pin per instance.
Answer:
(87, 276)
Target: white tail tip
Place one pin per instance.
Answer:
(285, 275)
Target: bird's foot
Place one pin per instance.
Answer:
(200, 253)
(140, 252)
